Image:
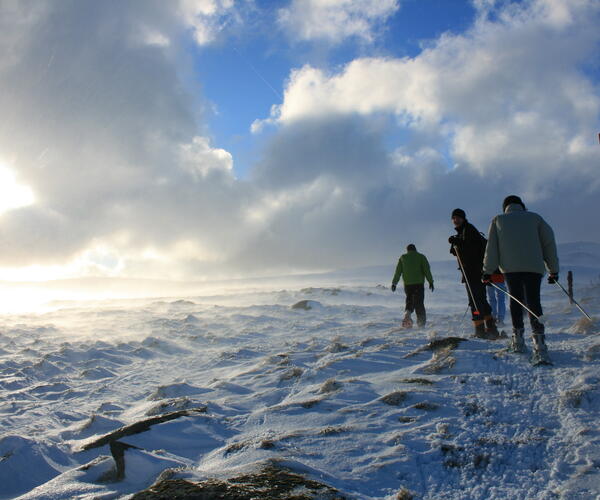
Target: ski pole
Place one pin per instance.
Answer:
(574, 301)
(466, 281)
(539, 318)
(466, 311)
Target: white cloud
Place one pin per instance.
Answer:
(99, 126)
(510, 96)
(207, 18)
(335, 20)
(199, 158)
(366, 86)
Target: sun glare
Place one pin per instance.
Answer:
(12, 194)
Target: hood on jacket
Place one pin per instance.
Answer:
(514, 207)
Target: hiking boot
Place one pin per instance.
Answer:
(540, 351)
(491, 331)
(517, 344)
(407, 321)
(479, 326)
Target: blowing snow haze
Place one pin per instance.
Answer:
(201, 139)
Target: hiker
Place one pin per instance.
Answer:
(414, 269)
(468, 245)
(521, 244)
(496, 296)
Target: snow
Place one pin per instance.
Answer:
(336, 391)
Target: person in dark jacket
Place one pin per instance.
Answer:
(468, 245)
(414, 269)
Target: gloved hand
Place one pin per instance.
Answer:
(453, 240)
(431, 287)
(553, 278)
(486, 278)
(393, 288)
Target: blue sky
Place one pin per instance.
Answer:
(245, 75)
(198, 139)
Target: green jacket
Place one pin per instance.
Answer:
(414, 268)
(520, 241)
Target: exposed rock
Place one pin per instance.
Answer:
(394, 398)
(404, 494)
(437, 345)
(170, 405)
(421, 381)
(330, 385)
(270, 483)
(593, 353)
(306, 305)
(426, 405)
(292, 373)
(336, 347)
(584, 325)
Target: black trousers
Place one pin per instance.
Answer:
(526, 288)
(415, 298)
(481, 304)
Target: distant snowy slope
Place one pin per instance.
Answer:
(583, 254)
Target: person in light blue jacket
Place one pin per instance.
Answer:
(521, 244)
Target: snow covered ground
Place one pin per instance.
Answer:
(336, 392)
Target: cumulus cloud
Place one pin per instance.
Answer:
(125, 180)
(335, 20)
(99, 127)
(510, 95)
(207, 18)
(507, 107)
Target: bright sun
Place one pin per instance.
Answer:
(12, 194)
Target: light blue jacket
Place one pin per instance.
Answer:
(520, 241)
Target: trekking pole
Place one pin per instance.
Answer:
(466, 311)
(574, 301)
(539, 318)
(466, 281)
(462, 321)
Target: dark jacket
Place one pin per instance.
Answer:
(471, 248)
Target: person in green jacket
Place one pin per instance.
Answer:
(413, 267)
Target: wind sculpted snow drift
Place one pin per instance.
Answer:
(335, 393)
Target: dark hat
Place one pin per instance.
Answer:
(512, 199)
(459, 212)
(411, 247)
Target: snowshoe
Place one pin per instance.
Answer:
(540, 351)
(517, 343)
(492, 334)
(491, 331)
(407, 323)
(540, 358)
(479, 331)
